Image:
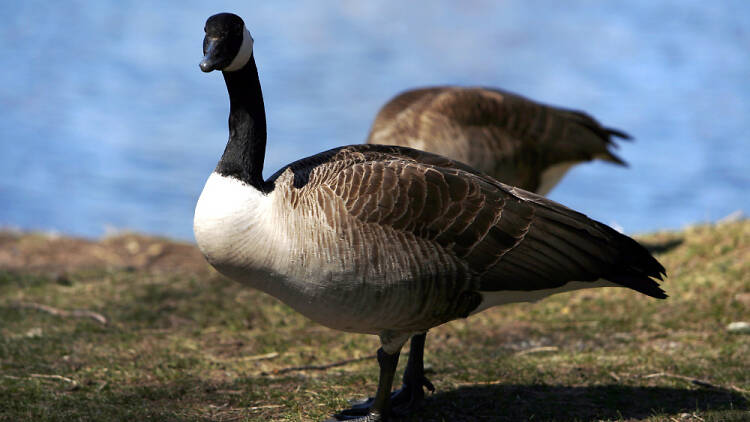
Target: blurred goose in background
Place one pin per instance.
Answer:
(516, 140)
(387, 240)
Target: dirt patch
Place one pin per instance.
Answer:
(50, 254)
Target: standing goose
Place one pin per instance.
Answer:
(387, 240)
(513, 139)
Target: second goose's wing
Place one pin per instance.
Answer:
(508, 136)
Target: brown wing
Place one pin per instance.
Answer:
(505, 135)
(556, 134)
(510, 238)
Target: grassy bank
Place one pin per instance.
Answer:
(139, 328)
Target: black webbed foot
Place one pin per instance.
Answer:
(378, 409)
(404, 401)
(409, 397)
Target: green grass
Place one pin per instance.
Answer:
(184, 344)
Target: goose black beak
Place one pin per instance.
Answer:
(210, 61)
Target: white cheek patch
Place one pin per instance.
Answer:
(246, 50)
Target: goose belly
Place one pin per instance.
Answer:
(552, 175)
(368, 279)
(360, 298)
(346, 306)
(347, 302)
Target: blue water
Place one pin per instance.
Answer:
(107, 122)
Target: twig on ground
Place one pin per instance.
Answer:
(261, 357)
(695, 381)
(615, 376)
(316, 367)
(537, 350)
(267, 406)
(473, 384)
(73, 383)
(76, 313)
(266, 356)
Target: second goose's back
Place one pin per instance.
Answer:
(516, 140)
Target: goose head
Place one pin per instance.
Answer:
(227, 45)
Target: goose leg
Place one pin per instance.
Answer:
(405, 400)
(379, 408)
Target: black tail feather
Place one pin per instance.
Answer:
(638, 269)
(618, 133)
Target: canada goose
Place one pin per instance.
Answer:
(387, 240)
(513, 139)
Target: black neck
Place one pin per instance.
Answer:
(246, 149)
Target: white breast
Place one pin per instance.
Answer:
(231, 219)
